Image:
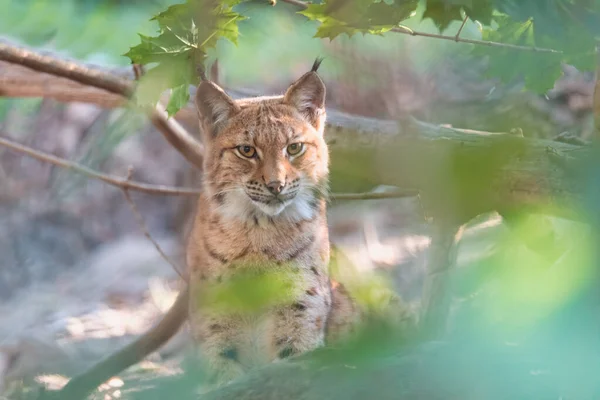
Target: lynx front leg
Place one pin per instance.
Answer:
(220, 348)
(300, 327)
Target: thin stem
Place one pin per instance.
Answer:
(596, 98)
(374, 195)
(408, 31)
(90, 173)
(456, 37)
(160, 189)
(144, 228)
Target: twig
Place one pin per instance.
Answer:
(111, 180)
(456, 37)
(596, 98)
(175, 134)
(144, 228)
(374, 195)
(160, 189)
(407, 31)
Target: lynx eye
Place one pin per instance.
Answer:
(247, 151)
(295, 148)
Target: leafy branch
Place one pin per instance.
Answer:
(527, 40)
(523, 40)
(186, 33)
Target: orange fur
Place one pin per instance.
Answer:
(241, 224)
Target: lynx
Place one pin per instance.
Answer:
(262, 210)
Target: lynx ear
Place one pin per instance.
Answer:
(214, 106)
(307, 95)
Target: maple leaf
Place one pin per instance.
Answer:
(358, 16)
(442, 13)
(186, 32)
(539, 70)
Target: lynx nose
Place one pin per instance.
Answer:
(275, 187)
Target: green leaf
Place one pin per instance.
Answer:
(170, 73)
(566, 25)
(481, 10)
(539, 70)
(228, 27)
(442, 13)
(382, 14)
(152, 85)
(315, 12)
(153, 49)
(253, 289)
(186, 32)
(179, 98)
(172, 16)
(332, 28)
(358, 16)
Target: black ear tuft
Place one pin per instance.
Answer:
(307, 95)
(202, 73)
(316, 64)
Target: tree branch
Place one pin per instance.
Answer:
(127, 184)
(374, 196)
(142, 224)
(178, 137)
(70, 70)
(90, 173)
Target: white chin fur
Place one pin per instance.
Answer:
(272, 210)
(238, 205)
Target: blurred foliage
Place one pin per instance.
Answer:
(187, 31)
(350, 17)
(98, 31)
(272, 36)
(252, 289)
(382, 308)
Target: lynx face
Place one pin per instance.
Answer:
(265, 156)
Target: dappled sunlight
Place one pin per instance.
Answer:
(392, 251)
